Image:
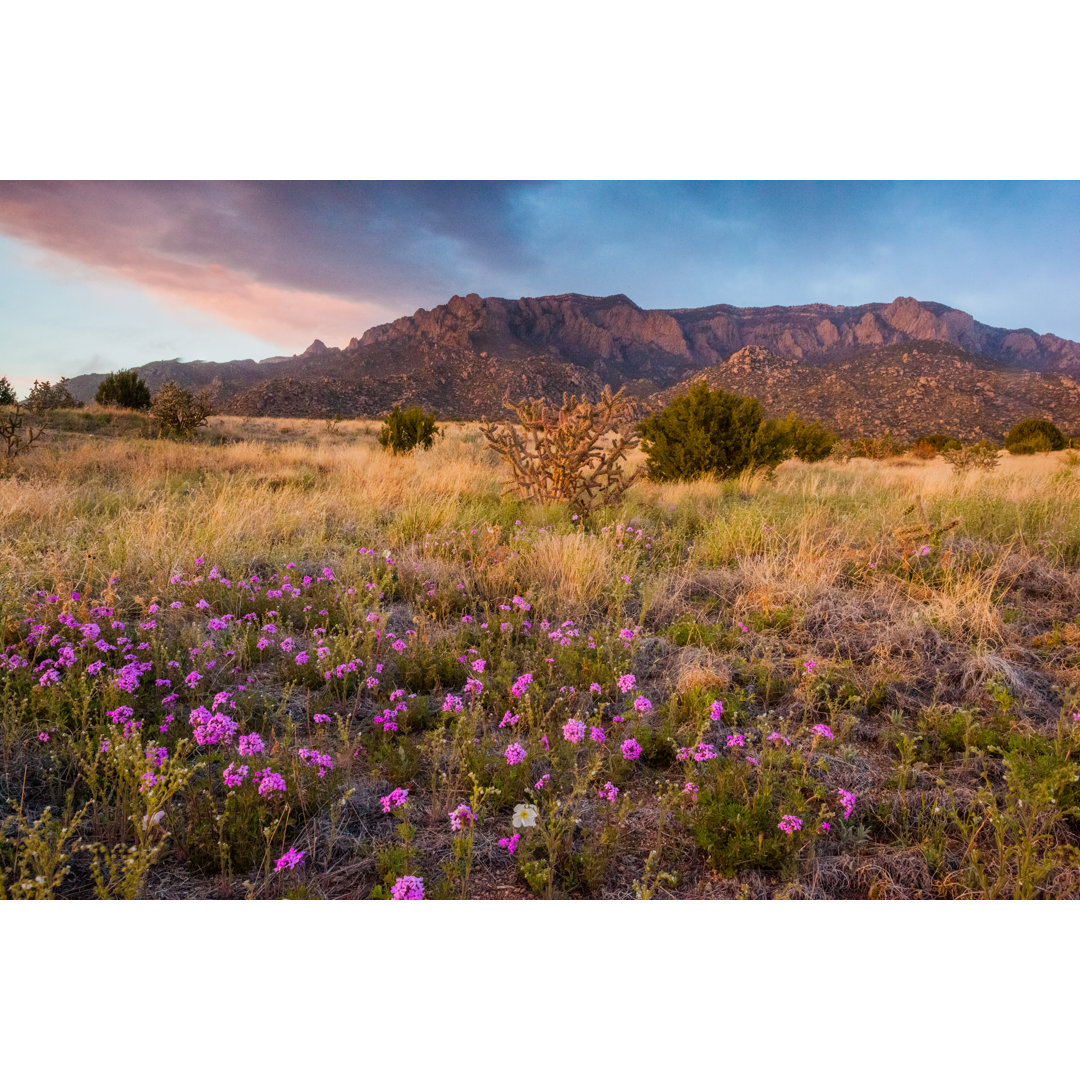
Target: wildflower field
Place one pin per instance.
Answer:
(280, 662)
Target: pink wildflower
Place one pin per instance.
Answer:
(290, 860)
(397, 797)
(631, 750)
(847, 801)
(251, 744)
(642, 704)
(823, 731)
(691, 789)
(716, 710)
(510, 843)
(596, 734)
(515, 754)
(626, 683)
(234, 776)
(573, 731)
(407, 888)
(521, 685)
(461, 817)
(738, 739)
(609, 791)
(789, 823)
(270, 783)
(775, 736)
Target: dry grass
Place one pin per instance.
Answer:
(758, 574)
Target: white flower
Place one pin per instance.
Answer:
(525, 815)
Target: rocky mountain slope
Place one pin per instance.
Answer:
(909, 390)
(462, 358)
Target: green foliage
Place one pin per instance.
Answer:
(44, 397)
(38, 854)
(711, 432)
(404, 430)
(179, 412)
(733, 823)
(7, 392)
(123, 388)
(777, 440)
(1034, 436)
(703, 432)
(941, 442)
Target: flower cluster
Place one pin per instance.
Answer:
(407, 888)
(397, 797)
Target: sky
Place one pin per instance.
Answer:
(99, 275)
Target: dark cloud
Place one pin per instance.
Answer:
(329, 258)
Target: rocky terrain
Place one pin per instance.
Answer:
(909, 367)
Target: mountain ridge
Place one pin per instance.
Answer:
(463, 357)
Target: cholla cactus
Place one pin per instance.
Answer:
(179, 412)
(575, 455)
(983, 456)
(17, 430)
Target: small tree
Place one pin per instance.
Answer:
(123, 388)
(44, 397)
(702, 432)
(711, 432)
(575, 455)
(7, 392)
(404, 430)
(179, 412)
(1034, 436)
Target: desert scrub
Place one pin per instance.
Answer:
(305, 624)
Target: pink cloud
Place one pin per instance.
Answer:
(122, 230)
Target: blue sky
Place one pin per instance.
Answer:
(101, 275)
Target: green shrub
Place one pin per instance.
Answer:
(1034, 436)
(404, 430)
(123, 388)
(941, 442)
(713, 433)
(777, 440)
(7, 392)
(179, 412)
(44, 397)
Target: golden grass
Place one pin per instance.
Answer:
(144, 507)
